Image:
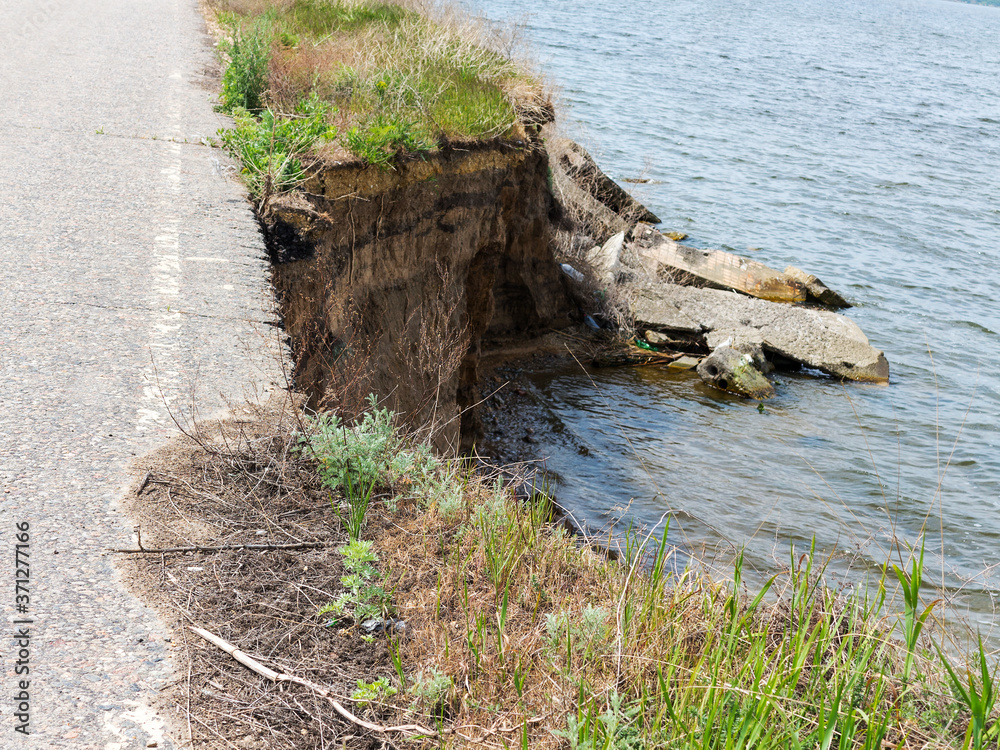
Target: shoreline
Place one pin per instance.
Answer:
(441, 532)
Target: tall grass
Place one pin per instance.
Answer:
(399, 77)
(521, 636)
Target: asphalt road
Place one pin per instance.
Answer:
(132, 281)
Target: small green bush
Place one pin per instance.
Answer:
(245, 79)
(373, 692)
(365, 595)
(584, 635)
(383, 137)
(269, 147)
(615, 729)
(369, 449)
(431, 688)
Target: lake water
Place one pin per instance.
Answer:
(857, 140)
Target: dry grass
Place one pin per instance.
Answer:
(430, 69)
(516, 633)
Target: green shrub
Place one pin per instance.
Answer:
(245, 79)
(431, 688)
(370, 449)
(365, 449)
(269, 147)
(614, 729)
(581, 634)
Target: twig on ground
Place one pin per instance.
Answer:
(270, 674)
(220, 548)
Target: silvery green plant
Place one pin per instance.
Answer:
(365, 596)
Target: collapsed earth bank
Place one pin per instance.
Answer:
(397, 281)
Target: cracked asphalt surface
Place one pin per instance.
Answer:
(134, 285)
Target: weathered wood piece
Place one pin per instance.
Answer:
(632, 356)
(819, 339)
(716, 268)
(252, 664)
(734, 372)
(219, 548)
(678, 342)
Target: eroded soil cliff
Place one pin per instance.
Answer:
(393, 281)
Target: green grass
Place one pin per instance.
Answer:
(511, 623)
(320, 18)
(395, 81)
(382, 138)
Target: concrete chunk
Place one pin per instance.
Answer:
(735, 372)
(816, 289)
(652, 307)
(657, 254)
(819, 339)
(605, 259)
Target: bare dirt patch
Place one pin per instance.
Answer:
(240, 481)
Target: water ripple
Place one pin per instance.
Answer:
(854, 139)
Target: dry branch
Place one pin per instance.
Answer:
(219, 548)
(270, 674)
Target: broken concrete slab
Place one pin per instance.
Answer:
(684, 363)
(604, 260)
(589, 198)
(583, 170)
(730, 370)
(816, 289)
(659, 256)
(820, 339)
(650, 305)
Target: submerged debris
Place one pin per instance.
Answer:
(688, 301)
(735, 372)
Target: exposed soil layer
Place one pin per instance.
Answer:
(392, 280)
